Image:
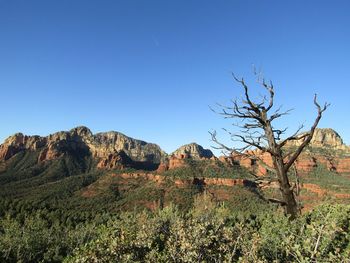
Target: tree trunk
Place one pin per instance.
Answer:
(288, 197)
(291, 206)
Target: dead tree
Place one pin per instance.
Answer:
(258, 132)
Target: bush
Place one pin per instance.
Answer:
(212, 234)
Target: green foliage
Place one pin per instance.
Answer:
(39, 239)
(211, 233)
(208, 169)
(44, 217)
(330, 180)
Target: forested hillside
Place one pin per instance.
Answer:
(191, 207)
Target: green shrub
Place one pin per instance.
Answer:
(210, 233)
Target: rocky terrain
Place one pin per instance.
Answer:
(326, 149)
(179, 157)
(114, 150)
(325, 137)
(109, 149)
(120, 172)
(194, 151)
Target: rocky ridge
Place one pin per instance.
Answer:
(324, 138)
(179, 157)
(112, 149)
(194, 151)
(325, 149)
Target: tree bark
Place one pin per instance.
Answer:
(288, 197)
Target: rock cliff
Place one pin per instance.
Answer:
(179, 157)
(111, 149)
(114, 150)
(194, 151)
(325, 137)
(326, 148)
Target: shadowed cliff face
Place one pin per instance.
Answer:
(110, 149)
(107, 150)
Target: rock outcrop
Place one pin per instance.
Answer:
(324, 137)
(114, 150)
(102, 144)
(177, 161)
(19, 142)
(178, 158)
(326, 148)
(119, 160)
(193, 151)
(190, 181)
(111, 149)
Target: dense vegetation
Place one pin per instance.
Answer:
(208, 169)
(63, 210)
(31, 233)
(210, 233)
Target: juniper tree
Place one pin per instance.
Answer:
(257, 130)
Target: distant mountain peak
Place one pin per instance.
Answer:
(193, 150)
(81, 139)
(81, 131)
(324, 137)
(327, 137)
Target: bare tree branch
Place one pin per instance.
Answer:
(309, 135)
(257, 132)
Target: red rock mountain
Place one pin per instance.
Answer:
(326, 149)
(110, 149)
(114, 150)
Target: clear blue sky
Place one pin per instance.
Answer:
(150, 69)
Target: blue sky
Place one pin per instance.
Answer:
(150, 69)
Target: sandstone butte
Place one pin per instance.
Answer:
(114, 150)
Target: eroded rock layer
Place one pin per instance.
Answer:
(110, 149)
(325, 149)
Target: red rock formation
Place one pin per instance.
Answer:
(49, 153)
(194, 151)
(162, 167)
(177, 161)
(326, 148)
(187, 182)
(258, 162)
(6, 152)
(305, 163)
(80, 141)
(117, 160)
(148, 176)
(105, 147)
(20, 142)
(343, 165)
